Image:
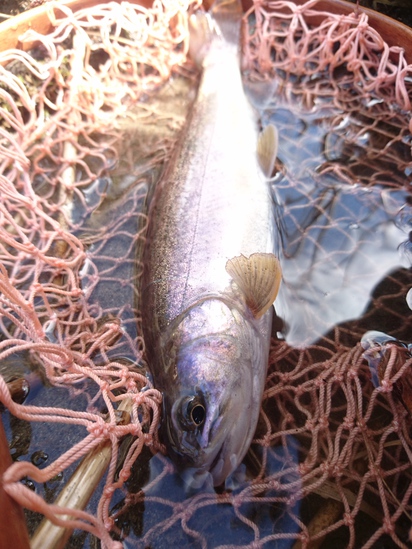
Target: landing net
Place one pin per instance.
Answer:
(86, 127)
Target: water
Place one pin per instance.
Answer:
(339, 209)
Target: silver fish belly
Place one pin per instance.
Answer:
(210, 276)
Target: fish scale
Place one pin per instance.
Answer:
(209, 271)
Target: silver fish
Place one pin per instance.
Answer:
(210, 275)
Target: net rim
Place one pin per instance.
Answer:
(40, 19)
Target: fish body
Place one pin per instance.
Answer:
(210, 275)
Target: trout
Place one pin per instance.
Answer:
(210, 275)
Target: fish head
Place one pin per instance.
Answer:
(212, 402)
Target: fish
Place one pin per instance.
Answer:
(210, 274)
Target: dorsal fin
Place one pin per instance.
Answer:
(258, 278)
(267, 149)
(228, 15)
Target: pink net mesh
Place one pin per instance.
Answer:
(86, 128)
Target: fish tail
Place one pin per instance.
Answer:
(228, 15)
(223, 21)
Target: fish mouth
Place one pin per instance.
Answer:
(197, 477)
(192, 463)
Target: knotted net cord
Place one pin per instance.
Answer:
(332, 449)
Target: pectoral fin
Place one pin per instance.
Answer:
(258, 277)
(267, 149)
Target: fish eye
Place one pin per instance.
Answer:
(197, 412)
(192, 413)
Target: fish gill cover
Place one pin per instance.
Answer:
(88, 119)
